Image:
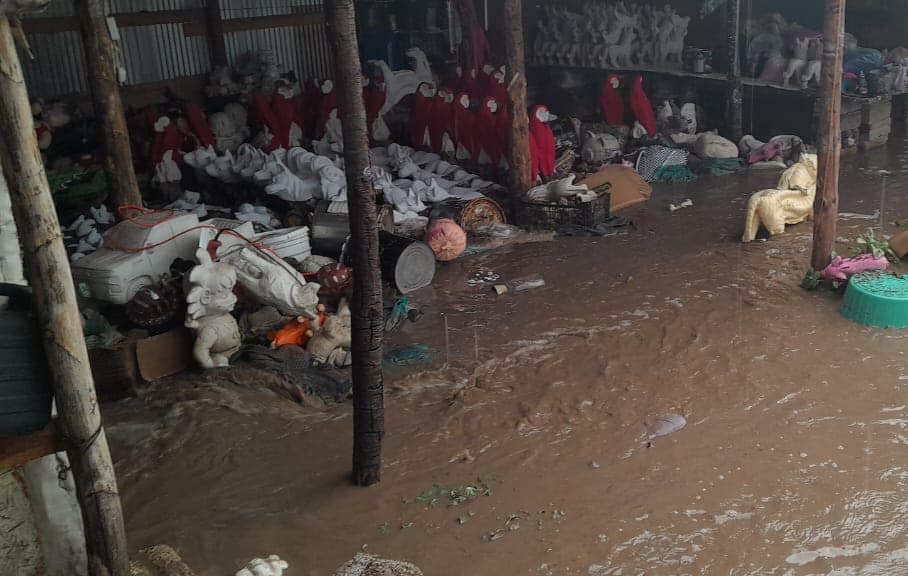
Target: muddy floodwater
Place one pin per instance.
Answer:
(534, 418)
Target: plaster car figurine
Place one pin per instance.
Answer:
(136, 253)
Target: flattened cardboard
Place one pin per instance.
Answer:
(625, 185)
(165, 354)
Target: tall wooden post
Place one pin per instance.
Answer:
(48, 273)
(519, 158)
(217, 48)
(102, 79)
(368, 319)
(735, 113)
(829, 145)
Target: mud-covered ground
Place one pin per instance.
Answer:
(794, 460)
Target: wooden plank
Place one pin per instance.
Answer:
(258, 23)
(56, 24)
(20, 450)
(217, 48)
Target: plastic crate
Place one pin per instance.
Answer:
(535, 216)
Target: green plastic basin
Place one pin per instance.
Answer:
(877, 299)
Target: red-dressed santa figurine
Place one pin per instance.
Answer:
(312, 102)
(611, 101)
(327, 105)
(374, 97)
(542, 141)
(421, 115)
(441, 127)
(464, 129)
(487, 128)
(640, 105)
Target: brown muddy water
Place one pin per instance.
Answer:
(794, 459)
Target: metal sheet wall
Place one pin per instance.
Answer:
(162, 51)
(303, 49)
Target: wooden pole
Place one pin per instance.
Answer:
(217, 48)
(102, 79)
(735, 113)
(366, 309)
(829, 145)
(48, 273)
(519, 157)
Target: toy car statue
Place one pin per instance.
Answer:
(136, 253)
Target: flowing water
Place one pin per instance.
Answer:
(794, 459)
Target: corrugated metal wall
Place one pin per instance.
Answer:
(163, 52)
(304, 49)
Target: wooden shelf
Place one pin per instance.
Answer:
(642, 69)
(19, 450)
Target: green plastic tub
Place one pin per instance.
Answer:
(877, 299)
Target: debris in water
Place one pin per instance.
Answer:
(665, 425)
(528, 283)
(686, 204)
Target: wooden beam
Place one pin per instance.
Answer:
(366, 309)
(519, 154)
(259, 23)
(829, 137)
(217, 48)
(48, 273)
(54, 24)
(735, 112)
(102, 79)
(21, 450)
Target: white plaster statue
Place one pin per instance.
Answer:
(210, 301)
(403, 82)
(790, 202)
(598, 148)
(273, 282)
(814, 65)
(332, 180)
(403, 201)
(331, 342)
(556, 190)
(798, 61)
(290, 187)
(272, 566)
(710, 145)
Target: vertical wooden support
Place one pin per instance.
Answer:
(519, 157)
(217, 48)
(48, 273)
(367, 311)
(102, 79)
(735, 112)
(829, 144)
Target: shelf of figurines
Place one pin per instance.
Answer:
(636, 70)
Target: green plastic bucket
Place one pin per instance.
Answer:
(877, 299)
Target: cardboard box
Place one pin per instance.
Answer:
(626, 187)
(118, 370)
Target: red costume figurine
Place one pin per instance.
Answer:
(312, 102)
(544, 140)
(328, 103)
(374, 97)
(421, 115)
(440, 124)
(198, 124)
(487, 128)
(611, 102)
(465, 129)
(643, 110)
